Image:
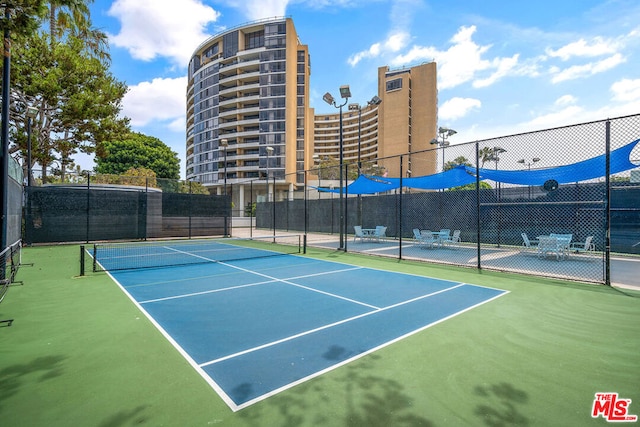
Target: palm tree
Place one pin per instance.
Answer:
(73, 17)
(69, 21)
(490, 154)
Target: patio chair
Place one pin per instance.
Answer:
(550, 245)
(359, 234)
(563, 239)
(380, 233)
(528, 244)
(424, 238)
(443, 235)
(455, 238)
(583, 247)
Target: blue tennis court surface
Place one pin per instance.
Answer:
(258, 326)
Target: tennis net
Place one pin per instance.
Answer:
(9, 264)
(156, 254)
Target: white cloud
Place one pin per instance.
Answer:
(586, 70)
(157, 100)
(570, 114)
(503, 66)
(394, 43)
(597, 47)
(565, 100)
(457, 107)
(260, 9)
(626, 90)
(152, 28)
(463, 61)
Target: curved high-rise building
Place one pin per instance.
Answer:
(248, 109)
(248, 115)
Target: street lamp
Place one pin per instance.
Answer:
(316, 158)
(533, 161)
(528, 164)
(496, 151)
(224, 143)
(356, 107)
(31, 114)
(444, 133)
(345, 93)
(269, 151)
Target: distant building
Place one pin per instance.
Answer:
(403, 122)
(248, 103)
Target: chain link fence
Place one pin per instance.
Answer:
(497, 225)
(439, 211)
(110, 207)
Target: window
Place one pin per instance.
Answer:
(254, 40)
(394, 84)
(211, 50)
(272, 29)
(275, 42)
(230, 44)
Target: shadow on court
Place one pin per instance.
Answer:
(13, 378)
(501, 407)
(367, 400)
(127, 417)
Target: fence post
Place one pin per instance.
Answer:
(88, 205)
(478, 234)
(607, 225)
(190, 202)
(306, 212)
(346, 204)
(399, 224)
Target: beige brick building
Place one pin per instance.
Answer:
(248, 114)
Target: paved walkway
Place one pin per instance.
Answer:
(581, 267)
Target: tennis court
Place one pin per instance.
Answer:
(255, 324)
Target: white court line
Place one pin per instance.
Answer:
(330, 325)
(211, 291)
(222, 393)
(236, 408)
(231, 288)
(275, 279)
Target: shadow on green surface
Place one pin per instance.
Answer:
(125, 418)
(366, 399)
(501, 408)
(12, 378)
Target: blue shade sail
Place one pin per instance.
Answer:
(463, 175)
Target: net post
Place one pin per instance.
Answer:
(81, 260)
(94, 258)
(304, 243)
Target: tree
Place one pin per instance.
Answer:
(21, 17)
(458, 161)
(77, 99)
(490, 154)
(63, 73)
(463, 161)
(137, 150)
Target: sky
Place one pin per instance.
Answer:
(503, 67)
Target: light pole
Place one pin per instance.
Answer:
(443, 133)
(345, 93)
(496, 151)
(533, 161)
(269, 151)
(316, 158)
(356, 107)
(31, 114)
(528, 164)
(224, 143)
